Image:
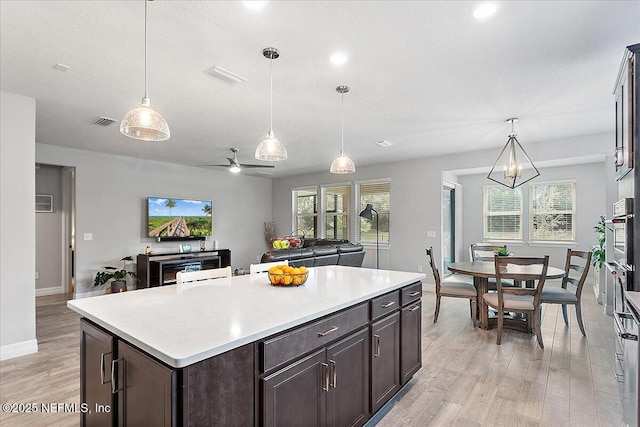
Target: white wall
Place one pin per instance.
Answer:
(111, 204)
(49, 228)
(416, 191)
(17, 217)
(591, 202)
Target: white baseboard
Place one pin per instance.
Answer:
(22, 348)
(90, 294)
(40, 292)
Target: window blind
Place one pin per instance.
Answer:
(502, 213)
(552, 213)
(377, 194)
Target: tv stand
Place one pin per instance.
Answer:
(160, 269)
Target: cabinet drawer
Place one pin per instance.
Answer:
(384, 304)
(411, 293)
(293, 344)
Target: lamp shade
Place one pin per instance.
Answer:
(271, 149)
(342, 165)
(145, 123)
(367, 212)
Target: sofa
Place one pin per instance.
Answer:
(319, 252)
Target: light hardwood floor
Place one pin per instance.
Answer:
(466, 379)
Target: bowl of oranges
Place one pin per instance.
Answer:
(285, 275)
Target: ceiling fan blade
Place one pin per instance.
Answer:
(222, 166)
(242, 165)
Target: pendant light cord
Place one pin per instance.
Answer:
(342, 133)
(271, 89)
(145, 48)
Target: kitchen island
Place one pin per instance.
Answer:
(238, 351)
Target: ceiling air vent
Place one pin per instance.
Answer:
(384, 143)
(225, 75)
(104, 121)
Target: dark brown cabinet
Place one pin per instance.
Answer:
(144, 388)
(328, 387)
(385, 359)
(626, 93)
(97, 349)
(411, 339)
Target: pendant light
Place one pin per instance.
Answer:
(512, 167)
(143, 122)
(342, 164)
(270, 148)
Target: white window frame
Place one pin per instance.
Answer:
(356, 216)
(485, 215)
(294, 206)
(322, 208)
(573, 212)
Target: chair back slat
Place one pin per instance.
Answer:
(481, 252)
(265, 266)
(190, 277)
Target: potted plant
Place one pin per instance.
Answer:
(116, 276)
(501, 252)
(599, 251)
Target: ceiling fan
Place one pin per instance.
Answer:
(234, 164)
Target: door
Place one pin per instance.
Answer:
(96, 353)
(348, 396)
(385, 360)
(144, 389)
(410, 341)
(297, 394)
(448, 226)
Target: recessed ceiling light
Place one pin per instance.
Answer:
(484, 11)
(384, 143)
(338, 58)
(61, 67)
(255, 5)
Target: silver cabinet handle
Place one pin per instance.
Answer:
(114, 389)
(415, 308)
(628, 336)
(325, 372)
(376, 344)
(327, 332)
(332, 365)
(414, 294)
(102, 355)
(387, 305)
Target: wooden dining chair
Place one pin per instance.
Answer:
(576, 272)
(265, 266)
(484, 252)
(202, 276)
(516, 299)
(455, 286)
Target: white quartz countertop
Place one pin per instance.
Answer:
(182, 325)
(634, 299)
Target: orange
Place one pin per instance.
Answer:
(287, 279)
(302, 269)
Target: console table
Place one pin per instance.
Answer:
(160, 269)
(240, 352)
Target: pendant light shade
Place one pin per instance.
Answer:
(342, 164)
(143, 122)
(270, 148)
(513, 167)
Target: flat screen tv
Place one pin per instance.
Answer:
(170, 218)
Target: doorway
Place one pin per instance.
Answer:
(55, 229)
(448, 225)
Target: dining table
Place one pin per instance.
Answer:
(483, 271)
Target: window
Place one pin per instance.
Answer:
(336, 219)
(502, 213)
(552, 211)
(376, 193)
(305, 204)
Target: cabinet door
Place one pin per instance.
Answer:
(296, 395)
(96, 352)
(410, 341)
(385, 360)
(348, 396)
(145, 388)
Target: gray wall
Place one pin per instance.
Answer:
(591, 202)
(416, 191)
(17, 216)
(111, 198)
(49, 229)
